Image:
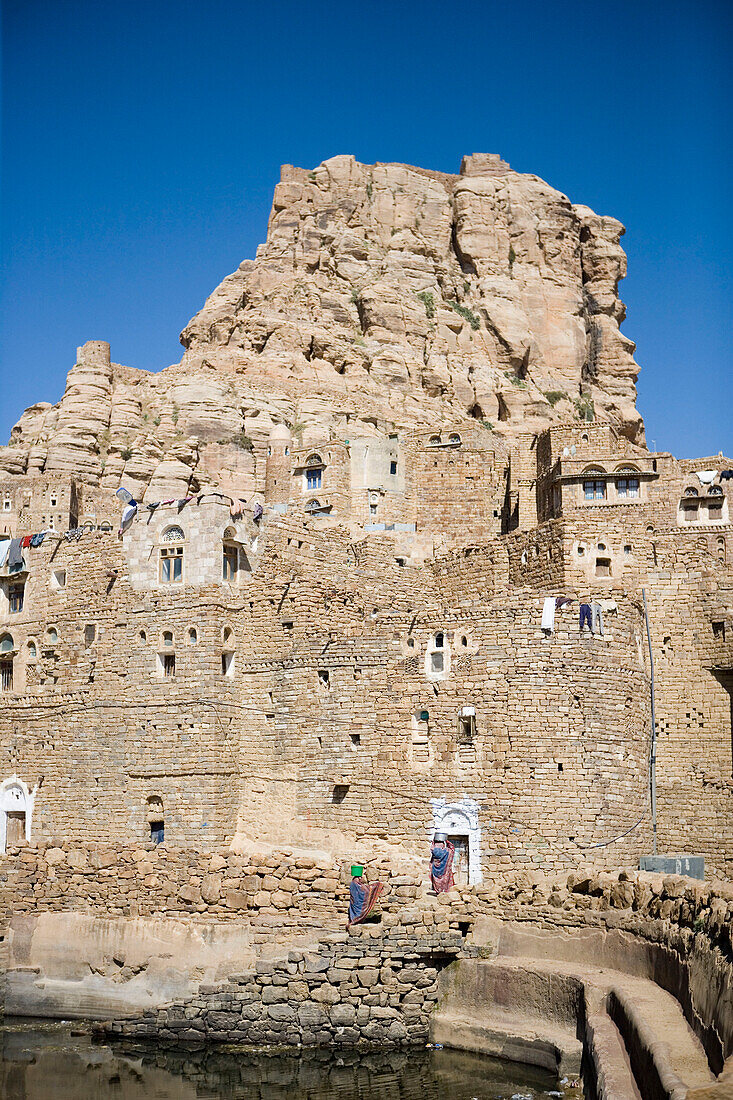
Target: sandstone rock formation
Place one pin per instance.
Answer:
(384, 297)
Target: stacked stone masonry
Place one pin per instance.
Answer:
(434, 454)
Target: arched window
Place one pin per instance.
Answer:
(192, 636)
(170, 566)
(439, 640)
(434, 440)
(690, 491)
(52, 636)
(715, 491)
(167, 639)
(7, 649)
(313, 506)
(454, 437)
(32, 650)
(721, 549)
(314, 472)
(627, 486)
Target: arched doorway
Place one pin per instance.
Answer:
(16, 812)
(459, 821)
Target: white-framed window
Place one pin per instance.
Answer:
(627, 488)
(594, 489)
(313, 479)
(171, 565)
(7, 503)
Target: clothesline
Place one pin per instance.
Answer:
(236, 505)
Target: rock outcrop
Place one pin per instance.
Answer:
(384, 297)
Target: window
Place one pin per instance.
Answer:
(193, 636)
(372, 509)
(420, 737)
(339, 793)
(6, 674)
(156, 820)
(313, 506)
(627, 487)
(721, 550)
(230, 562)
(7, 504)
(627, 549)
(393, 468)
(454, 437)
(15, 597)
(227, 664)
(324, 678)
(168, 665)
(715, 511)
(690, 491)
(313, 479)
(439, 640)
(171, 565)
(466, 728)
(52, 636)
(58, 578)
(603, 567)
(437, 661)
(32, 651)
(719, 631)
(90, 633)
(690, 511)
(434, 440)
(594, 489)
(168, 639)
(173, 534)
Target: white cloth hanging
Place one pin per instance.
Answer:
(548, 614)
(706, 477)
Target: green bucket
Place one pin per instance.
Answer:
(356, 870)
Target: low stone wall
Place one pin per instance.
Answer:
(272, 893)
(372, 989)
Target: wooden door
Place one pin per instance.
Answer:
(460, 859)
(15, 831)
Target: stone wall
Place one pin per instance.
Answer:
(381, 992)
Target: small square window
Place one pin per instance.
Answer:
(603, 567)
(16, 593)
(437, 662)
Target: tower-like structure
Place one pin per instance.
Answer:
(278, 468)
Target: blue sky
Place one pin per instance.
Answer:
(141, 142)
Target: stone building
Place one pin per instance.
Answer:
(326, 621)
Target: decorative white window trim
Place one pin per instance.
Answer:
(15, 797)
(460, 818)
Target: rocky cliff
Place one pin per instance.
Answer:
(384, 296)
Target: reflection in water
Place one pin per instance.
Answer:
(44, 1061)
